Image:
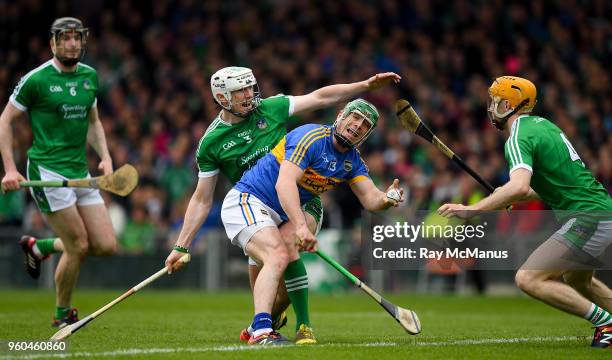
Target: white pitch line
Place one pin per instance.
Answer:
(500, 341)
(130, 352)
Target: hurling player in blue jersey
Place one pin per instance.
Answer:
(307, 162)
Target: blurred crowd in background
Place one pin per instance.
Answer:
(154, 64)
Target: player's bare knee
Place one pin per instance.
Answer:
(106, 249)
(525, 280)
(278, 258)
(78, 248)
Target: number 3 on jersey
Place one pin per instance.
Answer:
(572, 152)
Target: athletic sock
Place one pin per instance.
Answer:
(250, 330)
(296, 281)
(262, 324)
(598, 316)
(61, 312)
(44, 247)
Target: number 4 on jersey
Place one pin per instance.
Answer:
(572, 152)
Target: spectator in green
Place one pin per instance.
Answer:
(139, 234)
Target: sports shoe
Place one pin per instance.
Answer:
(273, 339)
(71, 318)
(32, 261)
(244, 335)
(304, 336)
(279, 322)
(602, 337)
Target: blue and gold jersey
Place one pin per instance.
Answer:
(311, 148)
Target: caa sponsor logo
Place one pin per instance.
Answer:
(228, 145)
(55, 88)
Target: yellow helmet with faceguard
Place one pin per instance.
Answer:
(520, 94)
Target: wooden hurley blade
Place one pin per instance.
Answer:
(122, 182)
(63, 333)
(406, 115)
(68, 330)
(409, 320)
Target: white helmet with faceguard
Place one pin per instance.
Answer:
(363, 110)
(234, 78)
(65, 25)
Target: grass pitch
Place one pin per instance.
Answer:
(180, 324)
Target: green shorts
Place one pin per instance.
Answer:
(315, 208)
(588, 234)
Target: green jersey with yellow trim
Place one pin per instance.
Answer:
(559, 176)
(58, 104)
(233, 148)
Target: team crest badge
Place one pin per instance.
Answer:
(348, 165)
(86, 84)
(262, 124)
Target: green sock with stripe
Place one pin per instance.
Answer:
(45, 246)
(296, 281)
(598, 316)
(61, 312)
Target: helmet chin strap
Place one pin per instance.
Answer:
(342, 141)
(501, 123)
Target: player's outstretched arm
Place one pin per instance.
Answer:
(516, 189)
(97, 139)
(289, 197)
(11, 178)
(333, 94)
(373, 199)
(197, 211)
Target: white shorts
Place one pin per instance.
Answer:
(51, 199)
(243, 215)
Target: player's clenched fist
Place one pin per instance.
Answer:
(305, 239)
(173, 262)
(11, 179)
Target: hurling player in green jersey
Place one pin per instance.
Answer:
(543, 164)
(59, 97)
(246, 129)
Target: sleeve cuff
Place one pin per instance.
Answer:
(16, 104)
(522, 166)
(357, 179)
(291, 106)
(95, 103)
(207, 174)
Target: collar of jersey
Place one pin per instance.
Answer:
(517, 120)
(59, 71)
(229, 124)
(55, 66)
